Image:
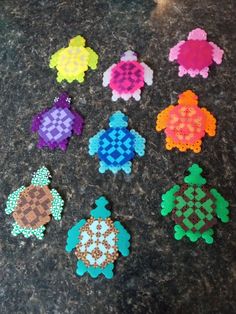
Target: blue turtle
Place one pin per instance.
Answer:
(117, 145)
(97, 242)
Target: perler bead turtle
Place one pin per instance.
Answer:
(196, 55)
(55, 125)
(73, 61)
(186, 124)
(127, 77)
(97, 242)
(117, 145)
(33, 206)
(194, 207)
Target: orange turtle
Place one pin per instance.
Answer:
(186, 124)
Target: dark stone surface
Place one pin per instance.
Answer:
(161, 275)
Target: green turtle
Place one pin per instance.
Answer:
(194, 207)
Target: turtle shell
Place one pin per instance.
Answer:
(116, 146)
(98, 243)
(33, 207)
(195, 54)
(194, 208)
(73, 61)
(56, 125)
(186, 124)
(127, 77)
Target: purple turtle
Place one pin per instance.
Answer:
(56, 125)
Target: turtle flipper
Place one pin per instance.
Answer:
(78, 123)
(73, 235)
(37, 120)
(107, 76)
(148, 74)
(57, 205)
(217, 53)
(94, 143)
(162, 118)
(222, 210)
(28, 232)
(93, 58)
(168, 200)
(13, 199)
(123, 239)
(54, 58)
(210, 127)
(139, 144)
(174, 52)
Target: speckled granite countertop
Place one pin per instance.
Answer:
(161, 275)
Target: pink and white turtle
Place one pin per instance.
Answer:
(195, 55)
(127, 77)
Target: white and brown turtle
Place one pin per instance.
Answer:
(33, 206)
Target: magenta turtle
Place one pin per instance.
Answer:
(56, 125)
(127, 77)
(196, 54)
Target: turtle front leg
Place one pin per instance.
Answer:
(78, 123)
(94, 143)
(107, 76)
(139, 144)
(148, 74)
(174, 52)
(37, 121)
(57, 205)
(217, 53)
(12, 200)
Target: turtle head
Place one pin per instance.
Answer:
(41, 177)
(197, 34)
(77, 41)
(118, 119)
(188, 98)
(100, 210)
(63, 101)
(129, 55)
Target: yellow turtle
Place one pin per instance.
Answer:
(72, 62)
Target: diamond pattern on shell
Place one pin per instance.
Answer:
(97, 246)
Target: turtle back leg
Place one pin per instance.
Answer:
(28, 232)
(137, 94)
(63, 144)
(204, 72)
(115, 95)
